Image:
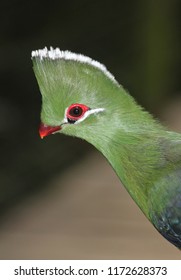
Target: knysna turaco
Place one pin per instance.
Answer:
(81, 98)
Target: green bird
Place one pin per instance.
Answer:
(81, 98)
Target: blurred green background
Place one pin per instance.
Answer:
(139, 42)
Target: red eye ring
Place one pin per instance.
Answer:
(76, 111)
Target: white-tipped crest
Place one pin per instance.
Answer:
(67, 55)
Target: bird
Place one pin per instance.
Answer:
(81, 98)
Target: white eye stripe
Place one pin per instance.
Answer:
(87, 113)
(90, 112)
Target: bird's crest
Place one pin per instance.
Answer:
(55, 54)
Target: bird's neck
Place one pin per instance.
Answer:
(134, 156)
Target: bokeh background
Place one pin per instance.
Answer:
(59, 198)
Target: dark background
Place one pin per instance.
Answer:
(139, 42)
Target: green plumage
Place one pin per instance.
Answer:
(145, 156)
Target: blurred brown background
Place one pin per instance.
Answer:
(59, 198)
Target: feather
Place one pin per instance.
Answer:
(143, 153)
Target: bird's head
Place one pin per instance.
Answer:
(77, 93)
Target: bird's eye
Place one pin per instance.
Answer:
(75, 112)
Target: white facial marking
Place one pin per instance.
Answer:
(67, 55)
(87, 113)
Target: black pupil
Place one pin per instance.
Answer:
(76, 112)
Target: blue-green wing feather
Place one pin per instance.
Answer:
(165, 201)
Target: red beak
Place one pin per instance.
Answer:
(45, 130)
